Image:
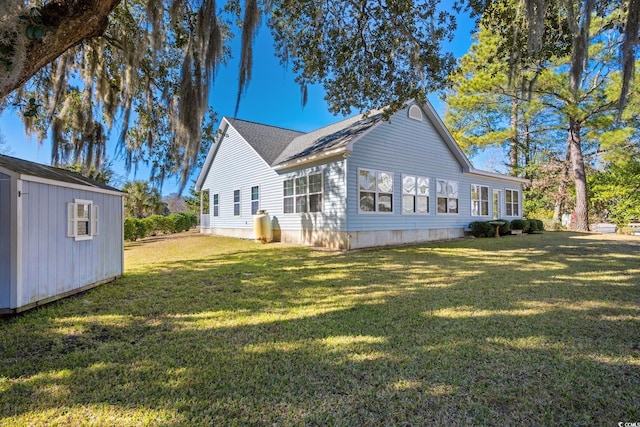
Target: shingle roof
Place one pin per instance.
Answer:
(268, 141)
(276, 145)
(25, 167)
(332, 136)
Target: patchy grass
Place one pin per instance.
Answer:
(542, 329)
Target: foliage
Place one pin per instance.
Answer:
(520, 224)
(102, 175)
(470, 332)
(482, 229)
(134, 229)
(193, 201)
(505, 228)
(142, 200)
(182, 222)
(159, 224)
(615, 191)
(534, 226)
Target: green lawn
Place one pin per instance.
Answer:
(540, 329)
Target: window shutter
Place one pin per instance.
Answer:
(71, 219)
(94, 220)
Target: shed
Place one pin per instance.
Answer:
(60, 233)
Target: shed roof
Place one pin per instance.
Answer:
(25, 167)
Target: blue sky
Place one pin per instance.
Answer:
(271, 98)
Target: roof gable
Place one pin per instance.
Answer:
(32, 169)
(267, 141)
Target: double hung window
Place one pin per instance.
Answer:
(479, 200)
(513, 202)
(82, 219)
(375, 190)
(302, 194)
(415, 194)
(447, 193)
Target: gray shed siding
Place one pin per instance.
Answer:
(5, 240)
(52, 263)
(406, 146)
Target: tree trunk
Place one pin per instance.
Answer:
(513, 145)
(562, 188)
(579, 176)
(71, 21)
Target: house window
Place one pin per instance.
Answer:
(479, 200)
(496, 204)
(236, 202)
(415, 194)
(82, 219)
(288, 193)
(303, 194)
(375, 191)
(447, 194)
(513, 202)
(415, 113)
(255, 200)
(216, 205)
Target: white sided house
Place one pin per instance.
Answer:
(60, 233)
(357, 183)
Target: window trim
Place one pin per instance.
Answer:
(257, 201)
(237, 203)
(479, 200)
(92, 220)
(377, 192)
(517, 202)
(415, 195)
(295, 195)
(216, 204)
(447, 198)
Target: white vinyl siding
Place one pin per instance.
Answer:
(479, 200)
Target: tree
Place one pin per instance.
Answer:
(176, 203)
(615, 191)
(157, 58)
(152, 62)
(4, 147)
(580, 86)
(142, 200)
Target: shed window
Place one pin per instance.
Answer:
(82, 219)
(375, 190)
(447, 196)
(479, 200)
